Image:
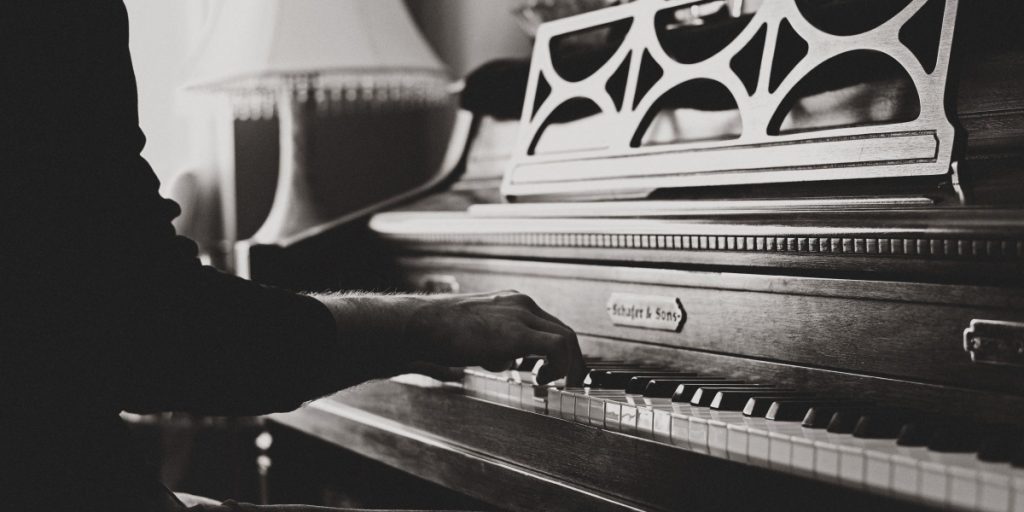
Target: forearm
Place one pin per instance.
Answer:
(381, 335)
(372, 332)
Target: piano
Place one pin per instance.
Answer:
(789, 234)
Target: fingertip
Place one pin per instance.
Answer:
(548, 374)
(574, 377)
(544, 375)
(499, 366)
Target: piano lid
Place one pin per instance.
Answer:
(660, 94)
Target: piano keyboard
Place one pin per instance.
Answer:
(908, 454)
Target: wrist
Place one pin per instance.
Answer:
(374, 332)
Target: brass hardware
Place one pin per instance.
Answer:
(995, 342)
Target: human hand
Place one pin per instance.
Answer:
(491, 330)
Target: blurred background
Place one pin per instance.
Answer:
(223, 168)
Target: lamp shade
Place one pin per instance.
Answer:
(258, 44)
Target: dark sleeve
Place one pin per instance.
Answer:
(102, 300)
(213, 343)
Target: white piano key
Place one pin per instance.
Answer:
(504, 388)
(663, 424)
(780, 443)
(718, 433)
(995, 490)
(554, 402)
(826, 460)
(484, 389)
(541, 401)
(527, 399)
(1017, 481)
(951, 478)
(757, 446)
(737, 441)
(645, 422)
(934, 483)
(620, 415)
(627, 419)
(567, 404)
(718, 437)
(485, 386)
(680, 430)
(698, 434)
(906, 475)
(612, 411)
(596, 411)
(494, 389)
(963, 486)
(780, 451)
(877, 470)
(851, 465)
(514, 394)
(802, 458)
(581, 408)
(824, 454)
(470, 385)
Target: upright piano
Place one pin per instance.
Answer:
(789, 234)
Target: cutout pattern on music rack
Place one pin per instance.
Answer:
(630, 62)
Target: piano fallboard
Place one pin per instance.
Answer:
(880, 337)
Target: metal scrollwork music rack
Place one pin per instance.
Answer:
(615, 165)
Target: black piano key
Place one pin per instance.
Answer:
(600, 360)
(638, 383)
(617, 379)
(593, 365)
(1017, 457)
(794, 410)
(880, 424)
(954, 439)
(916, 432)
(757, 406)
(706, 393)
(684, 392)
(736, 400)
(820, 415)
(999, 443)
(844, 421)
(590, 369)
(598, 371)
(666, 387)
(595, 375)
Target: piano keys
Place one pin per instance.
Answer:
(862, 446)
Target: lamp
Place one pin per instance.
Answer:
(308, 56)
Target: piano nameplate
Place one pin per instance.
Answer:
(646, 311)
